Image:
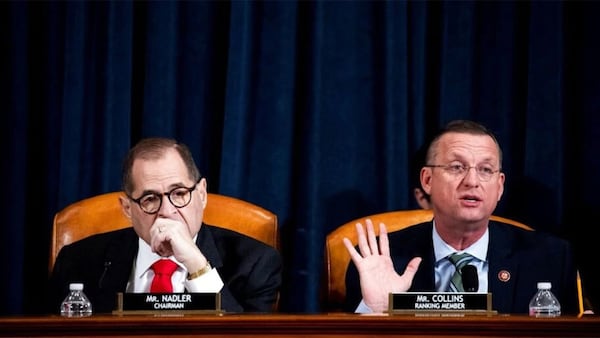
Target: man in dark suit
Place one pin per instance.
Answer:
(166, 197)
(463, 176)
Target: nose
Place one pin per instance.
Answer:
(166, 207)
(471, 177)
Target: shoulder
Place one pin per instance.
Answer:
(96, 246)
(101, 239)
(224, 234)
(228, 239)
(412, 240)
(525, 238)
(413, 230)
(234, 251)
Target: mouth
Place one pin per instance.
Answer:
(470, 198)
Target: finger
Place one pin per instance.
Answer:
(354, 255)
(159, 251)
(384, 243)
(372, 238)
(158, 229)
(365, 250)
(165, 250)
(155, 243)
(158, 241)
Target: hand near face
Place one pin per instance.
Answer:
(169, 237)
(376, 269)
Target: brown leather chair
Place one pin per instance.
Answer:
(102, 213)
(337, 258)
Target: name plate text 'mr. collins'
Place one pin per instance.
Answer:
(441, 302)
(168, 302)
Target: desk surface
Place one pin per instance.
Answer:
(299, 325)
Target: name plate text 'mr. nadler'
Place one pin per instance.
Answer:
(137, 303)
(441, 302)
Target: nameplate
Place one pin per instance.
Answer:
(441, 303)
(167, 303)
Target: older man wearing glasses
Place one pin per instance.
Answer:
(165, 201)
(463, 176)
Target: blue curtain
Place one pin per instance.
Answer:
(311, 109)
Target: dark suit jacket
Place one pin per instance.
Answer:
(250, 269)
(527, 256)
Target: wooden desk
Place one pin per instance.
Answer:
(299, 325)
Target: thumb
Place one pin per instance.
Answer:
(411, 268)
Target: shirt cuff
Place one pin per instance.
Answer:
(209, 282)
(363, 308)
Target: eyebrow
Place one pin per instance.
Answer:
(169, 188)
(460, 157)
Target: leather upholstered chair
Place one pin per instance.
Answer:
(102, 213)
(337, 258)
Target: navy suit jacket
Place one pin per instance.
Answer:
(517, 258)
(250, 269)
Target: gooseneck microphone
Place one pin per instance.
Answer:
(469, 278)
(107, 265)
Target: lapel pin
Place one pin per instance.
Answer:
(504, 276)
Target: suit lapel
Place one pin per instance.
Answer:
(118, 262)
(421, 246)
(205, 241)
(503, 270)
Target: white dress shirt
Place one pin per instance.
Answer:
(142, 274)
(444, 269)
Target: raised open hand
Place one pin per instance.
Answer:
(376, 270)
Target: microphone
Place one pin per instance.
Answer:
(107, 265)
(469, 278)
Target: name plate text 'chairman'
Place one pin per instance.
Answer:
(441, 303)
(136, 303)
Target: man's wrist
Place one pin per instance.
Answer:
(200, 272)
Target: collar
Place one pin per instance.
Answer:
(442, 249)
(145, 258)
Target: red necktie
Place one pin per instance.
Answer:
(163, 269)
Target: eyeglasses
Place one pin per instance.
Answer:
(484, 172)
(179, 197)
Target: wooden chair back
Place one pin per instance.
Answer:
(337, 258)
(102, 213)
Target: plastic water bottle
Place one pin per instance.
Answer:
(76, 304)
(544, 303)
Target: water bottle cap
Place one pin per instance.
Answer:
(544, 285)
(76, 286)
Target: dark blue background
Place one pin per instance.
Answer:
(311, 109)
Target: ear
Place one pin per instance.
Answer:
(202, 191)
(421, 198)
(125, 206)
(426, 180)
(501, 179)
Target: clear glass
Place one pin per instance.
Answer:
(76, 304)
(544, 303)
